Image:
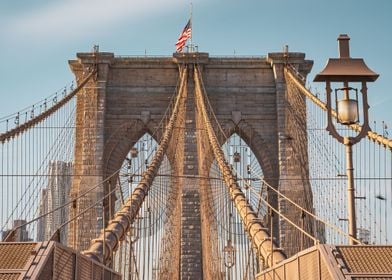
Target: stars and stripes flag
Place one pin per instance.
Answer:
(185, 34)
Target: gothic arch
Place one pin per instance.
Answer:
(260, 147)
(122, 140)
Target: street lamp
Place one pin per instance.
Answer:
(229, 254)
(347, 70)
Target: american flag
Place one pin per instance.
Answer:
(185, 34)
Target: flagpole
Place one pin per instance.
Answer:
(191, 29)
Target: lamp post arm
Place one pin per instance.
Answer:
(365, 128)
(330, 126)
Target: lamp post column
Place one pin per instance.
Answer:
(352, 222)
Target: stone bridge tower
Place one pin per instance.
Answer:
(129, 97)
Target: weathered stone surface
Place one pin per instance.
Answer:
(191, 246)
(129, 98)
(292, 156)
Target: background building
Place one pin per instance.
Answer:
(53, 196)
(21, 234)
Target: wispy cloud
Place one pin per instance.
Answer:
(74, 18)
(384, 101)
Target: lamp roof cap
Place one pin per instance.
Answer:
(346, 68)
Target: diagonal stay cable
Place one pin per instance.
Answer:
(379, 139)
(119, 226)
(258, 234)
(305, 210)
(10, 235)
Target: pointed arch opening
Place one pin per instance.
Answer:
(233, 244)
(148, 238)
(246, 169)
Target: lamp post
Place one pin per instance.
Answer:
(347, 70)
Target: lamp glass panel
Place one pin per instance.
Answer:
(348, 111)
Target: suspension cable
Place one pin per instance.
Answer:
(380, 139)
(39, 118)
(117, 228)
(257, 232)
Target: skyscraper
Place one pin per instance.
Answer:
(19, 235)
(53, 196)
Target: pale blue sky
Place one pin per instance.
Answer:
(37, 38)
